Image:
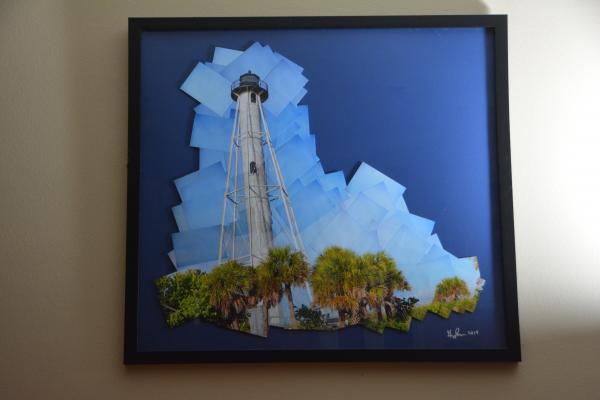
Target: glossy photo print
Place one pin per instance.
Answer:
(307, 192)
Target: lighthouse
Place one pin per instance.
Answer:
(247, 219)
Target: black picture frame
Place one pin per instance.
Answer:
(496, 23)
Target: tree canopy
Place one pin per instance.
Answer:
(338, 281)
(184, 296)
(281, 269)
(231, 291)
(361, 288)
(384, 278)
(451, 289)
(351, 283)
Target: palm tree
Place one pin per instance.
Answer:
(268, 287)
(339, 281)
(384, 279)
(450, 290)
(231, 288)
(276, 275)
(294, 271)
(356, 280)
(375, 265)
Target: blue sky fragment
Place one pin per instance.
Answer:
(367, 176)
(345, 231)
(204, 209)
(209, 157)
(286, 80)
(436, 271)
(196, 246)
(299, 96)
(277, 123)
(202, 109)
(434, 239)
(393, 222)
(364, 210)
(211, 132)
(311, 235)
(204, 266)
(278, 216)
(287, 134)
(276, 102)
(285, 84)
(258, 59)
(196, 183)
(215, 67)
(381, 196)
(310, 204)
(468, 270)
(223, 56)
(423, 226)
(209, 88)
(389, 226)
(171, 255)
(420, 285)
(401, 204)
(295, 187)
(298, 127)
(334, 180)
(434, 253)
(407, 247)
(297, 157)
(180, 219)
(424, 277)
(312, 174)
(335, 192)
(242, 244)
(292, 122)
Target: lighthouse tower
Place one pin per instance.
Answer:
(251, 191)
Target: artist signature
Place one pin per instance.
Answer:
(458, 333)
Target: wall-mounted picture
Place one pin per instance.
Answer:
(319, 189)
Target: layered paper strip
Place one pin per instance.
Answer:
(368, 214)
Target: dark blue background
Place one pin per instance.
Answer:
(414, 103)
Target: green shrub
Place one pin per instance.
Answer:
(419, 312)
(403, 326)
(374, 324)
(183, 297)
(310, 318)
(440, 308)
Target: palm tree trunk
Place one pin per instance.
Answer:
(342, 319)
(288, 293)
(362, 313)
(265, 308)
(388, 308)
(380, 315)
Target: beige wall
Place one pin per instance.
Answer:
(63, 130)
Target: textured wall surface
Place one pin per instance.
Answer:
(63, 151)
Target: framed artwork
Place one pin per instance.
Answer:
(319, 189)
